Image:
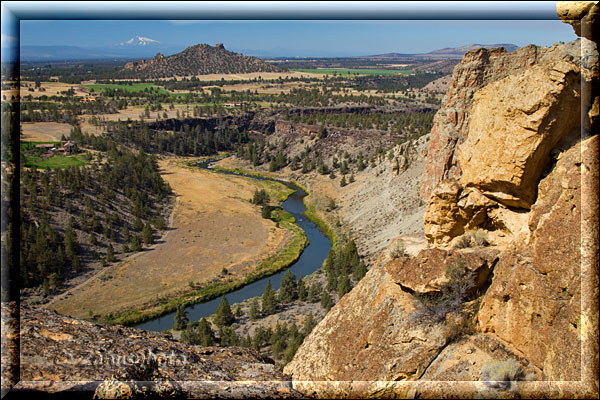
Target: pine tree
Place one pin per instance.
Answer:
(147, 234)
(359, 271)
(287, 289)
(136, 243)
(326, 301)
(314, 292)
(309, 324)
(181, 319)
(126, 232)
(254, 312)
(224, 316)
(266, 212)
(137, 224)
(302, 292)
(206, 333)
(343, 181)
(269, 304)
(344, 286)
(110, 253)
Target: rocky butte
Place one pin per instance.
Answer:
(503, 301)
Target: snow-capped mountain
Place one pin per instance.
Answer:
(139, 41)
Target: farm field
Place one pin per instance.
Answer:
(352, 71)
(133, 88)
(214, 226)
(44, 131)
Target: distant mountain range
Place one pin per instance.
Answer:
(448, 52)
(144, 47)
(136, 47)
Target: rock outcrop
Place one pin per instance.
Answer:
(196, 60)
(59, 353)
(477, 69)
(512, 162)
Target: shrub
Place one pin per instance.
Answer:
(463, 242)
(480, 237)
(500, 374)
(398, 249)
(452, 295)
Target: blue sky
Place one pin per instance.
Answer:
(301, 38)
(95, 24)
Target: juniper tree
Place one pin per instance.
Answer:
(302, 292)
(147, 234)
(269, 303)
(254, 312)
(287, 289)
(224, 316)
(181, 319)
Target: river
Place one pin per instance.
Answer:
(310, 260)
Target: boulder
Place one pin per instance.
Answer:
(508, 150)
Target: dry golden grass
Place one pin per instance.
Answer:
(44, 131)
(214, 226)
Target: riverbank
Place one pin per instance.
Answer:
(219, 243)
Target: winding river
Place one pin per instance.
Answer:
(310, 260)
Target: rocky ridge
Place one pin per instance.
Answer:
(504, 301)
(196, 60)
(62, 354)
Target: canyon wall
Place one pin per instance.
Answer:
(504, 301)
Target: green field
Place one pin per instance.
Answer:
(134, 87)
(350, 71)
(56, 161)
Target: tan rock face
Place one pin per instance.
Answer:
(370, 335)
(534, 301)
(576, 13)
(477, 69)
(428, 272)
(507, 150)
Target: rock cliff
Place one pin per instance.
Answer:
(504, 301)
(61, 354)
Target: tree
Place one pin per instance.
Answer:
(343, 181)
(326, 301)
(110, 253)
(137, 224)
(201, 335)
(224, 316)
(228, 337)
(359, 271)
(254, 312)
(147, 234)
(181, 319)
(344, 286)
(260, 197)
(269, 303)
(314, 292)
(309, 324)
(136, 243)
(126, 236)
(302, 292)
(266, 212)
(287, 289)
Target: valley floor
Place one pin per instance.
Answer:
(214, 226)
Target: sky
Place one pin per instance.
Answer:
(302, 38)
